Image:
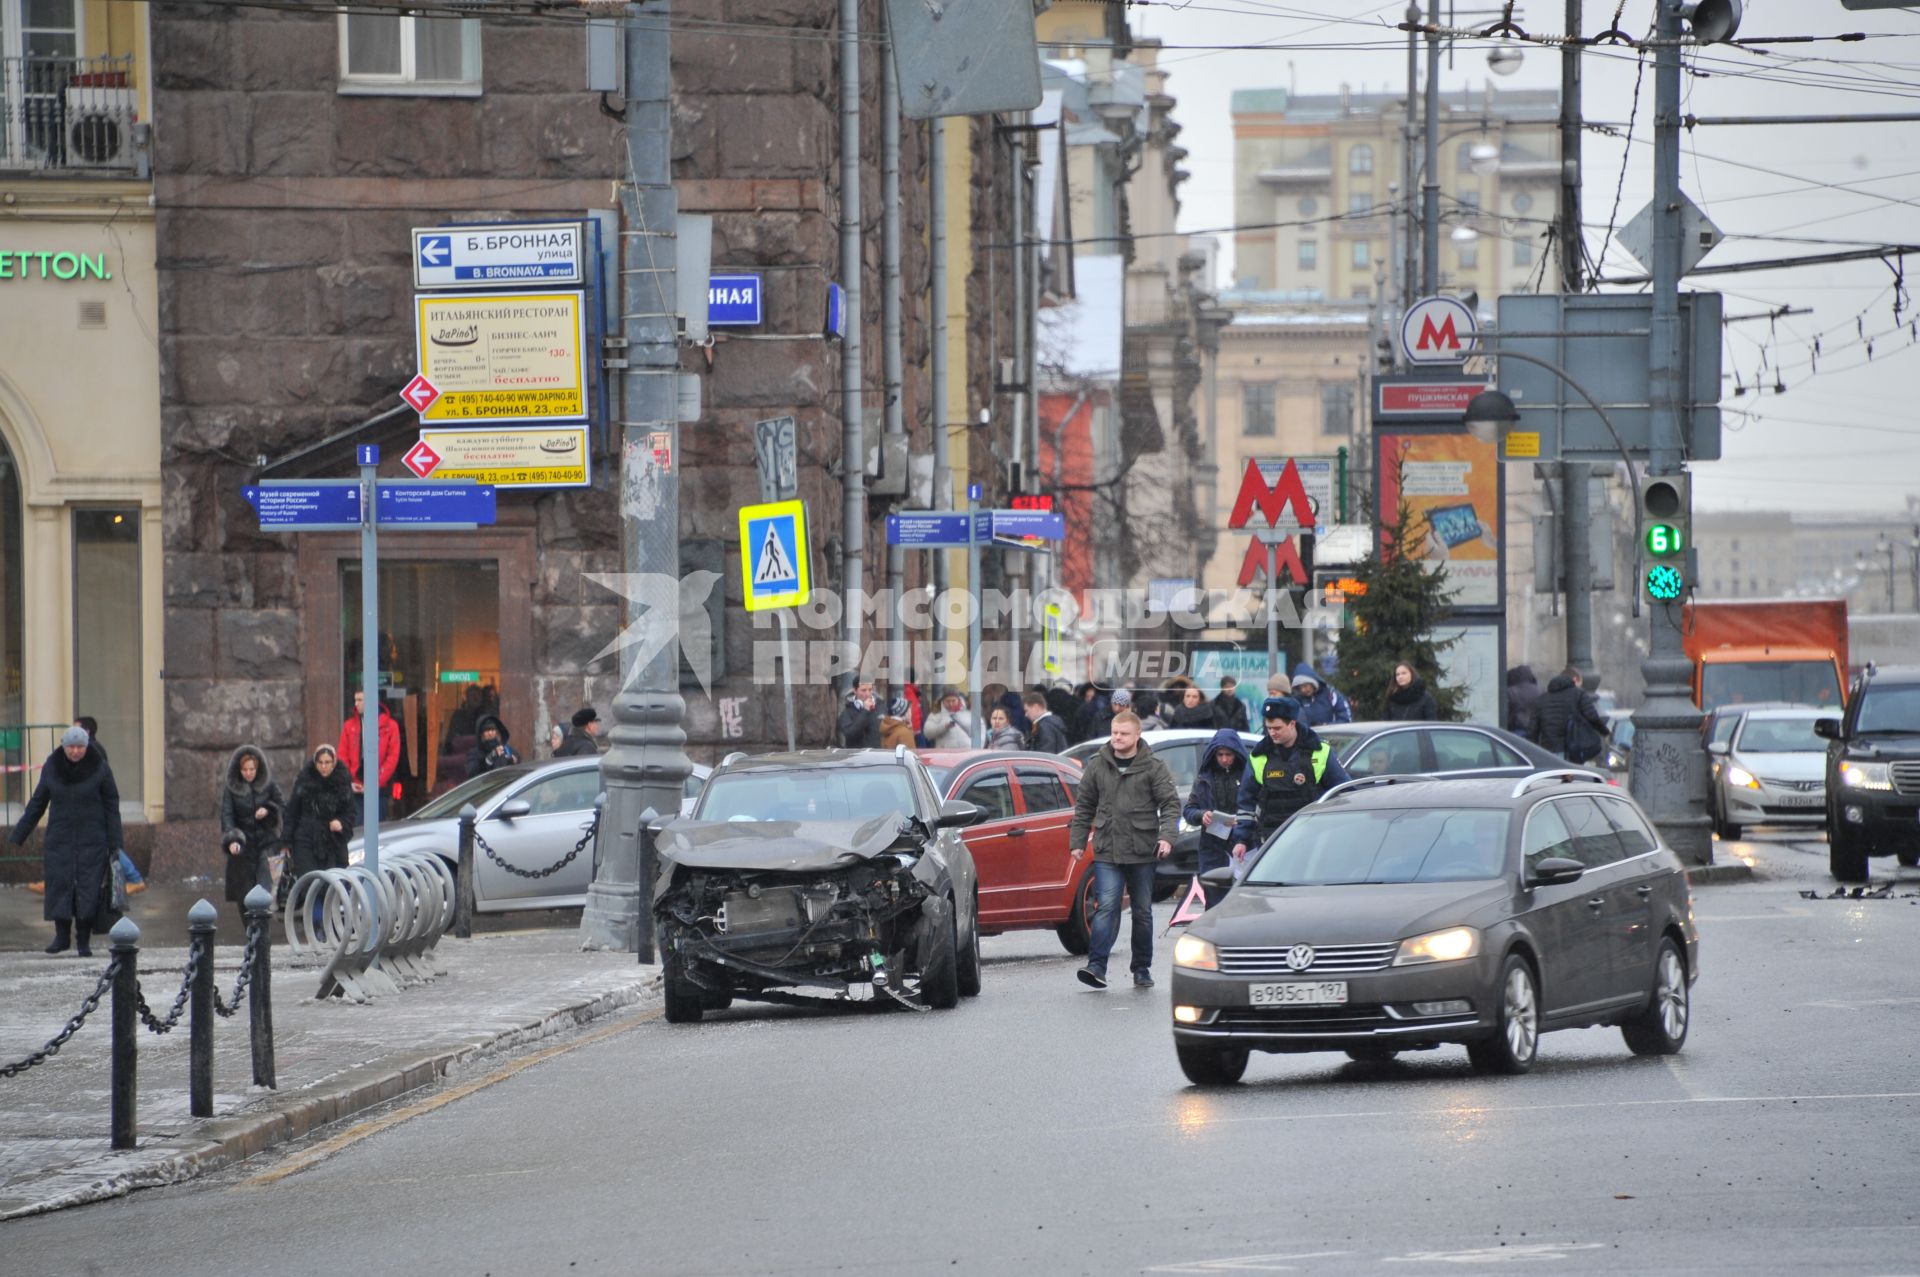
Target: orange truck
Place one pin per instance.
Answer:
(1753, 650)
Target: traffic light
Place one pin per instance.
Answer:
(1666, 524)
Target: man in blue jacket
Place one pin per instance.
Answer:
(1288, 770)
(1320, 704)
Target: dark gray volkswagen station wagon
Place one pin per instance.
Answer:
(1402, 913)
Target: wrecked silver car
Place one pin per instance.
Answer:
(829, 873)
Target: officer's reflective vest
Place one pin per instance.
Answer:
(1270, 814)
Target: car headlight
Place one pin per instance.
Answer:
(1450, 945)
(1186, 826)
(1866, 775)
(1740, 778)
(1195, 954)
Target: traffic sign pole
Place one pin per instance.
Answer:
(368, 456)
(973, 622)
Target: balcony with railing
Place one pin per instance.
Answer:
(68, 115)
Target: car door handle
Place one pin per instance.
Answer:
(1018, 831)
(1643, 891)
(1596, 902)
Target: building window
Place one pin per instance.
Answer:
(1336, 408)
(1523, 252)
(1469, 255)
(107, 666)
(15, 786)
(1309, 254)
(1362, 253)
(1360, 159)
(1359, 203)
(394, 53)
(1470, 198)
(1309, 206)
(1256, 408)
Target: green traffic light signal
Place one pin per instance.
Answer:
(1664, 539)
(1664, 583)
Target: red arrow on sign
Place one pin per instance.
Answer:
(421, 459)
(420, 394)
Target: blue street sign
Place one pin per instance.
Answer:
(733, 300)
(983, 527)
(775, 564)
(402, 502)
(309, 505)
(436, 250)
(836, 311)
(489, 254)
(932, 527)
(975, 491)
(367, 454)
(1029, 525)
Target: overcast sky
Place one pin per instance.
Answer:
(1843, 438)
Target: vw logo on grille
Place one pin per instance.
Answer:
(1300, 957)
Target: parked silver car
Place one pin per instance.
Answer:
(531, 816)
(1771, 771)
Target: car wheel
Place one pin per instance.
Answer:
(685, 1003)
(1513, 1047)
(1076, 933)
(1729, 832)
(1212, 1065)
(939, 955)
(1372, 1054)
(1846, 854)
(1661, 1029)
(969, 974)
(715, 999)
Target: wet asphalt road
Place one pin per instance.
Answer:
(1045, 1128)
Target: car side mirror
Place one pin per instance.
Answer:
(1827, 727)
(514, 810)
(1717, 747)
(955, 814)
(1555, 870)
(1220, 877)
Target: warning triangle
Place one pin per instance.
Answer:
(771, 565)
(1192, 907)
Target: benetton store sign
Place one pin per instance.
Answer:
(55, 265)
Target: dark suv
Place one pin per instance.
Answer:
(1873, 773)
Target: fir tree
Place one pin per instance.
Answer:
(1394, 620)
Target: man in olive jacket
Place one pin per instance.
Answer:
(1126, 813)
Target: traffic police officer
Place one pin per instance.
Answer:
(1291, 768)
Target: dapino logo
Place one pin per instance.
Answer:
(560, 444)
(455, 335)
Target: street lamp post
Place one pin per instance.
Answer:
(1886, 547)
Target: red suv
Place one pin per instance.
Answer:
(1028, 877)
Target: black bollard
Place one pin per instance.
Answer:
(125, 949)
(463, 890)
(259, 903)
(201, 923)
(649, 865)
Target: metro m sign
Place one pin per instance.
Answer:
(1438, 330)
(1272, 502)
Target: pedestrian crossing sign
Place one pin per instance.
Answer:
(773, 555)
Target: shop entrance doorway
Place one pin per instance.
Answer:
(439, 665)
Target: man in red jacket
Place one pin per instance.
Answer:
(389, 748)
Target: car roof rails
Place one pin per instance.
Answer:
(899, 753)
(1559, 776)
(1368, 782)
(733, 758)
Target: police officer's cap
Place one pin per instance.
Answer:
(1284, 708)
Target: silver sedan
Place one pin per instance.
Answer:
(1770, 771)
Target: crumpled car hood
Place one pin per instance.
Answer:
(778, 846)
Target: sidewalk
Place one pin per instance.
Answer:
(334, 1058)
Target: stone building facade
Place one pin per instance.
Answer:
(286, 187)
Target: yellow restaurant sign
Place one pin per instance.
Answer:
(514, 457)
(503, 356)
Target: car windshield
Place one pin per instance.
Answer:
(1890, 709)
(807, 794)
(1779, 736)
(1745, 682)
(1383, 845)
(476, 791)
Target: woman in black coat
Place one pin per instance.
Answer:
(319, 816)
(251, 809)
(82, 805)
(1408, 700)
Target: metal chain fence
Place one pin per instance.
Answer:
(227, 1008)
(592, 828)
(147, 1016)
(87, 1008)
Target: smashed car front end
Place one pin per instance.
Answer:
(757, 909)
